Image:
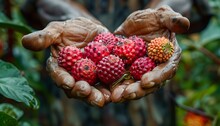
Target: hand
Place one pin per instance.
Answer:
(149, 24)
(79, 32)
(76, 32)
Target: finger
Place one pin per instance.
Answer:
(135, 91)
(60, 76)
(163, 71)
(118, 90)
(106, 93)
(42, 39)
(96, 98)
(139, 23)
(34, 41)
(81, 89)
(179, 24)
(172, 20)
(127, 82)
(154, 22)
(117, 93)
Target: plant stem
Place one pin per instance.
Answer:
(210, 55)
(10, 32)
(187, 108)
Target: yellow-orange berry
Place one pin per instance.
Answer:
(160, 49)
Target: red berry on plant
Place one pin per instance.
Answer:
(193, 119)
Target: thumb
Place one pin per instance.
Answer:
(42, 39)
(172, 20)
(59, 75)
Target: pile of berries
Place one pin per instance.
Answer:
(108, 57)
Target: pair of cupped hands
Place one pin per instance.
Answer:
(147, 24)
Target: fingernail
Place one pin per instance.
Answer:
(152, 84)
(106, 96)
(82, 87)
(68, 81)
(98, 101)
(79, 94)
(65, 87)
(93, 103)
(131, 96)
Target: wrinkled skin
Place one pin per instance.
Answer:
(146, 24)
(76, 32)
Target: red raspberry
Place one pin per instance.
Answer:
(110, 69)
(108, 39)
(68, 56)
(140, 46)
(141, 66)
(85, 69)
(96, 51)
(125, 49)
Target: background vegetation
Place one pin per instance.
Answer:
(29, 98)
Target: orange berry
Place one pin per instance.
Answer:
(160, 49)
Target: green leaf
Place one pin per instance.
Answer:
(8, 70)
(6, 23)
(199, 96)
(16, 87)
(6, 120)
(11, 110)
(211, 33)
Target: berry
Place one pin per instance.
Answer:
(140, 46)
(108, 39)
(85, 69)
(193, 119)
(110, 69)
(141, 66)
(125, 49)
(96, 51)
(68, 56)
(160, 49)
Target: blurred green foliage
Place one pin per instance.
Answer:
(199, 70)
